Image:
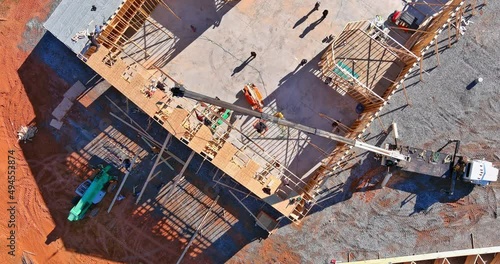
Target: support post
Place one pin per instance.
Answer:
(123, 183)
(125, 113)
(248, 210)
(177, 178)
(421, 69)
(197, 230)
(437, 52)
(162, 159)
(154, 167)
(449, 35)
(386, 179)
(406, 95)
(381, 124)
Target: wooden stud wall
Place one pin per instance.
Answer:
(131, 15)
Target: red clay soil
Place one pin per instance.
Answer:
(273, 250)
(32, 220)
(41, 229)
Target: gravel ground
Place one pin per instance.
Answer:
(412, 215)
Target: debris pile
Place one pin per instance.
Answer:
(26, 133)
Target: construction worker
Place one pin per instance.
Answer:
(279, 115)
(155, 150)
(260, 126)
(286, 181)
(203, 119)
(127, 164)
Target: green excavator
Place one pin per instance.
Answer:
(90, 193)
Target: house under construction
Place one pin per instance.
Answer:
(365, 62)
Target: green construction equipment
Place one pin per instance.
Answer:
(91, 193)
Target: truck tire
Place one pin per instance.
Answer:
(94, 212)
(111, 186)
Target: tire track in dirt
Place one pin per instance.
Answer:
(465, 212)
(137, 254)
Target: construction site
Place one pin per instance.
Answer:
(250, 131)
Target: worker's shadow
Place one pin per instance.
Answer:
(242, 65)
(311, 27)
(304, 18)
(290, 74)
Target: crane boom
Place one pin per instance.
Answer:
(182, 92)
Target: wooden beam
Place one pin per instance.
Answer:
(124, 52)
(361, 84)
(431, 256)
(154, 22)
(163, 160)
(401, 55)
(197, 230)
(421, 69)
(496, 259)
(169, 9)
(167, 139)
(123, 182)
(378, 42)
(346, 128)
(408, 102)
(437, 52)
(382, 124)
(179, 176)
(449, 35)
(441, 261)
(429, 4)
(123, 112)
(471, 259)
(149, 138)
(395, 41)
(410, 29)
(159, 28)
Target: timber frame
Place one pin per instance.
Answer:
(465, 256)
(367, 75)
(257, 171)
(410, 55)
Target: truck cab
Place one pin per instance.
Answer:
(82, 188)
(480, 172)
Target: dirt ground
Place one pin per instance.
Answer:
(29, 92)
(33, 220)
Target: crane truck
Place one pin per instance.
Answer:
(432, 163)
(90, 193)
